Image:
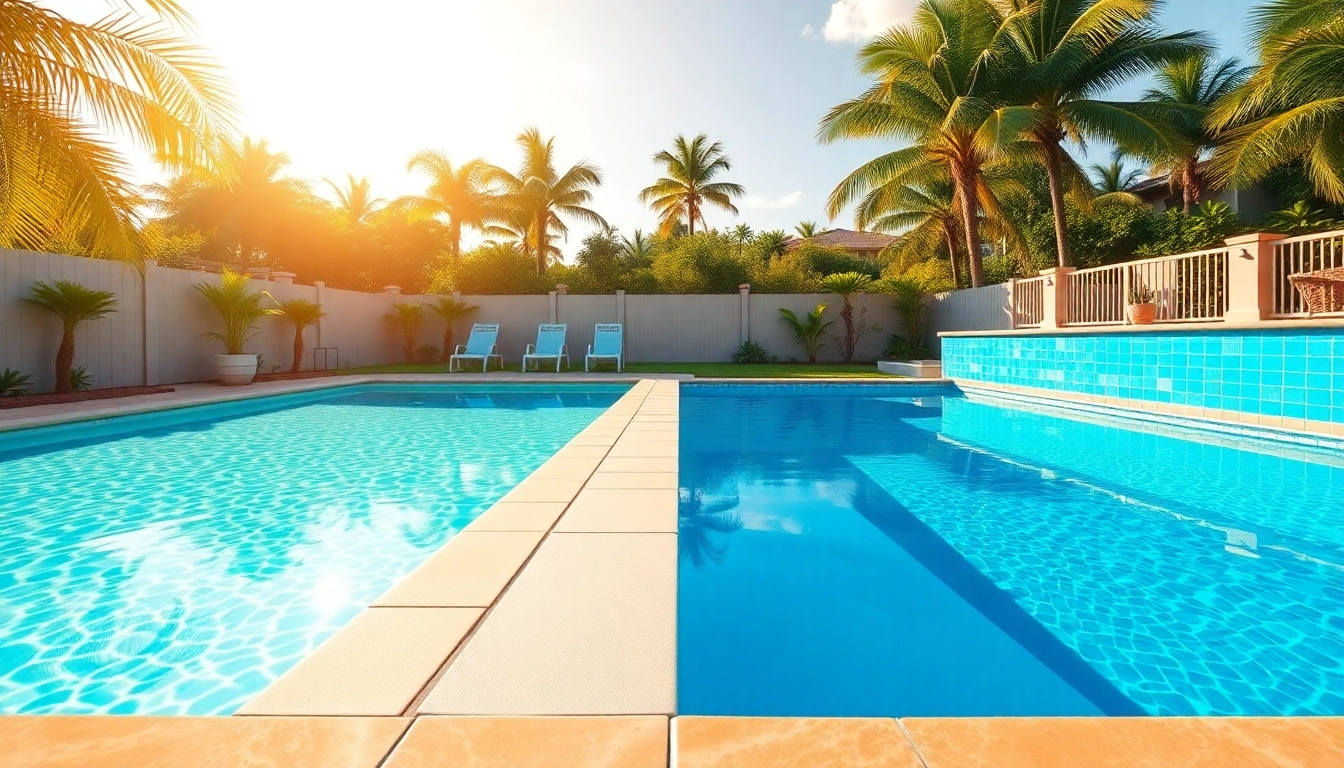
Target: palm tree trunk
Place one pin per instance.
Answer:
(298, 348)
(447, 340)
(950, 233)
(970, 223)
(690, 217)
(410, 344)
(539, 236)
(65, 359)
(1052, 170)
(1192, 187)
(455, 238)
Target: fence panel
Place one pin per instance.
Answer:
(1028, 302)
(988, 308)
(682, 329)
(581, 313)
(1297, 255)
(354, 325)
(518, 318)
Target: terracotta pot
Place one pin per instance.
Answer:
(1142, 314)
(236, 369)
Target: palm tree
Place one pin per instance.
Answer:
(1186, 91)
(742, 234)
(539, 194)
(1299, 219)
(1115, 177)
(808, 330)
(1290, 108)
(698, 521)
(462, 195)
(806, 229)
(239, 307)
(925, 216)
(355, 203)
(1063, 54)
(66, 86)
(934, 87)
(773, 244)
(74, 305)
(407, 318)
(451, 310)
(689, 185)
(638, 249)
(240, 205)
(302, 313)
(847, 284)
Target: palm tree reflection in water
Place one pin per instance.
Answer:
(699, 523)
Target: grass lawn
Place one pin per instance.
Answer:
(700, 370)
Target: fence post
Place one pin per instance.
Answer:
(620, 306)
(149, 335)
(1250, 277)
(318, 285)
(1055, 297)
(554, 306)
(1012, 302)
(744, 324)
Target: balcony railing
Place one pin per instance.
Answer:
(1028, 299)
(1298, 255)
(1187, 288)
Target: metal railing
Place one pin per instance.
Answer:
(1187, 288)
(1298, 255)
(1028, 302)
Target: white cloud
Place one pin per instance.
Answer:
(809, 32)
(852, 20)
(787, 201)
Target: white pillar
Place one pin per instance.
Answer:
(744, 326)
(620, 306)
(554, 306)
(283, 278)
(319, 285)
(150, 327)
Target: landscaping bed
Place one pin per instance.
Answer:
(51, 398)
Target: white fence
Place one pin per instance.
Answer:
(974, 309)
(156, 336)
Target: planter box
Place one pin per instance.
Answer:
(918, 369)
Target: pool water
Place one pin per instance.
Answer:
(177, 563)
(889, 551)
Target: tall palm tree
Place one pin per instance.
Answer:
(1186, 91)
(355, 203)
(742, 234)
(934, 87)
(806, 229)
(1115, 177)
(541, 195)
(1064, 55)
(65, 86)
(241, 204)
(74, 305)
(462, 195)
(1292, 107)
(925, 217)
(682, 194)
(638, 248)
(302, 313)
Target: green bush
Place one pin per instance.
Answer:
(751, 353)
(13, 383)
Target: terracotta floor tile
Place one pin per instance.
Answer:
(469, 571)
(610, 510)
(375, 665)
(534, 742)
(50, 741)
(518, 516)
(787, 742)
(1209, 742)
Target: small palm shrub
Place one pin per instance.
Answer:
(808, 330)
(80, 379)
(238, 306)
(74, 305)
(13, 383)
(909, 298)
(751, 353)
(427, 353)
(451, 311)
(407, 319)
(302, 313)
(847, 284)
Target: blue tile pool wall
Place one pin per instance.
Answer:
(1293, 374)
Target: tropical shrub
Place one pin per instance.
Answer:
(909, 299)
(847, 284)
(13, 383)
(238, 306)
(427, 353)
(492, 269)
(830, 261)
(302, 313)
(752, 353)
(407, 318)
(80, 379)
(450, 311)
(808, 330)
(74, 305)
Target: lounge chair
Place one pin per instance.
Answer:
(608, 344)
(480, 346)
(550, 344)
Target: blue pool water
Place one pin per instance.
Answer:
(177, 563)
(914, 552)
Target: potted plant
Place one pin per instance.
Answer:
(74, 305)
(302, 313)
(1142, 304)
(240, 308)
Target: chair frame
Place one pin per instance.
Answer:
(619, 357)
(460, 353)
(531, 352)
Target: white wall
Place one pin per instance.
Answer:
(974, 309)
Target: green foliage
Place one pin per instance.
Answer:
(490, 270)
(428, 353)
(1174, 232)
(706, 262)
(829, 261)
(751, 353)
(809, 329)
(80, 379)
(238, 306)
(71, 302)
(1001, 269)
(407, 319)
(1300, 218)
(301, 312)
(909, 297)
(13, 383)
(1139, 293)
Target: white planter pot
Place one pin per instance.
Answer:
(236, 369)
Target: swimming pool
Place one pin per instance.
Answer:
(178, 562)
(908, 551)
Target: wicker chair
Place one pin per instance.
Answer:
(1322, 290)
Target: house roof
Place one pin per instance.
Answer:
(846, 239)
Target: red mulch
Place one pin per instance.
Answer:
(22, 401)
(290, 376)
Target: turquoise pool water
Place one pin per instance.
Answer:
(177, 563)
(893, 551)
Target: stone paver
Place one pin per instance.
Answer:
(518, 516)
(770, 742)
(534, 742)
(469, 571)
(607, 510)
(649, 480)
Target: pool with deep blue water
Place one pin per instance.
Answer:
(178, 562)
(913, 551)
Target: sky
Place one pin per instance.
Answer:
(357, 87)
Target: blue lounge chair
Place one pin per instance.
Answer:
(550, 344)
(608, 344)
(480, 346)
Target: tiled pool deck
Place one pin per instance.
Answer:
(544, 634)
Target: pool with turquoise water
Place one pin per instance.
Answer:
(914, 551)
(180, 561)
